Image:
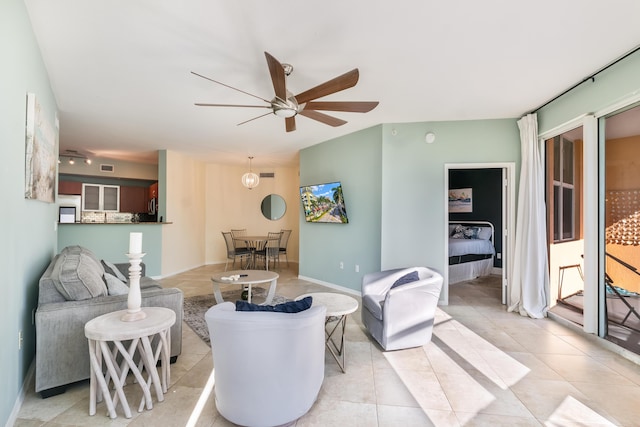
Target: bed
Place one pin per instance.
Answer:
(471, 250)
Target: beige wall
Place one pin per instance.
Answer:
(183, 241)
(230, 205)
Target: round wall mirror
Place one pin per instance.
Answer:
(273, 207)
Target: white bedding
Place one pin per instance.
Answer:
(458, 247)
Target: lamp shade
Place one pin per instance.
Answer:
(250, 180)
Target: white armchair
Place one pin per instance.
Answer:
(402, 316)
(268, 367)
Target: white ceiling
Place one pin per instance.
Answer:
(120, 69)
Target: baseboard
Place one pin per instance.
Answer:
(497, 271)
(331, 285)
(29, 379)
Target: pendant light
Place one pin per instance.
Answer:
(250, 179)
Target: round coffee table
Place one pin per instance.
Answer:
(338, 306)
(247, 277)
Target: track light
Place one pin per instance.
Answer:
(72, 155)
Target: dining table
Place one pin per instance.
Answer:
(254, 243)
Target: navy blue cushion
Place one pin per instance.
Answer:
(407, 278)
(285, 307)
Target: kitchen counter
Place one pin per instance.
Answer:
(110, 240)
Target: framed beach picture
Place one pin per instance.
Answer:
(40, 154)
(461, 200)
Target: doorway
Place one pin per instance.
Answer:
(492, 199)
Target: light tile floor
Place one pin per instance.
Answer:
(484, 367)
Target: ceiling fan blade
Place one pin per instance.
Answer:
(247, 121)
(200, 104)
(277, 76)
(345, 81)
(323, 118)
(348, 106)
(231, 87)
(290, 123)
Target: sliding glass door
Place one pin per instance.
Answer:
(620, 290)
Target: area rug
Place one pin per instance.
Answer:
(195, 307)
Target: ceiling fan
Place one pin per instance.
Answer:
(287, 105)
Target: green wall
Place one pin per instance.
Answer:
(393, 184)
(620, 81)
(355, 161)
(27, 226)
(413, 211)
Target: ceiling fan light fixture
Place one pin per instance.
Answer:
(250, 179)
(285, 112)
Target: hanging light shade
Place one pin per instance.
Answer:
(250, 179)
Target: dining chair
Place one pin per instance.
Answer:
(284, 240)
(239, 232)
(271, 250)
(234, 252)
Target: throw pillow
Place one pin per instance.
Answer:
(114, 285)
(79, 276)
(407, 278)
(458, 232)
(285, 307)
(471, 232)
(113, 270)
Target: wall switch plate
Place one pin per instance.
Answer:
(341, 265)
(499, 255)
(357, 268)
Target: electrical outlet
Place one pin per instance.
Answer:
(499, 255)
(341, 265)
(20, 340)
(357, 268)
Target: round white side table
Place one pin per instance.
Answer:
(338, 306)
(110, 329)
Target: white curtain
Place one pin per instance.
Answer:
(529, 290)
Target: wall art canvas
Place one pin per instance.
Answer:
(40, 154)
(461, 200)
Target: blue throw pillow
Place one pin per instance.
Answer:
(407, 278)
(285, 307)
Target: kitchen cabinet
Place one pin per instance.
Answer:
(133, 199)
(70, 187)
(97, 197)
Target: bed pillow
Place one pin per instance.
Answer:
(407, 278)
(485, 233)
(285, 307)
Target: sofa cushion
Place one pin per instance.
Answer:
(115, 286)
(407, 278)
(285, 307)
(113, 270)
(78, 275)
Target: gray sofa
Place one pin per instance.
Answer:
(75, 288)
